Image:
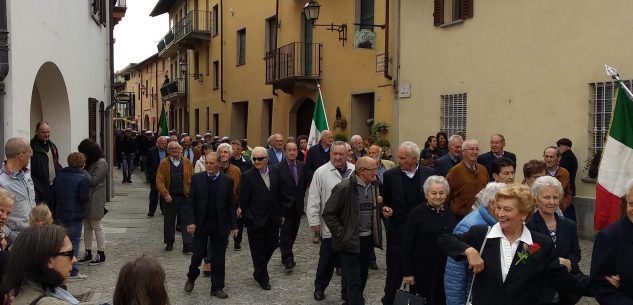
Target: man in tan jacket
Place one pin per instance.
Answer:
(173, 179)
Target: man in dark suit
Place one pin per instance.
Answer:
(402, 191)
(292, 186)
(209, 215)
(259, 202)
(237, 159)
(154, 156)
(568, 161)
(276, 150)
(497, 144)
(452, 158)
(319, 154)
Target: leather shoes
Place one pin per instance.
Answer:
(289, 265)
(169, 247)
(220, 294)
(319, 295)
(189, 286)
(186, 248)
(265, 285)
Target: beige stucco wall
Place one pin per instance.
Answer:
(525, 65)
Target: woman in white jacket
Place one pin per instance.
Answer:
(199, 167)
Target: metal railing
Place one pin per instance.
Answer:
(294, 60)
(173, 87)
(194, 21)
(165, 41)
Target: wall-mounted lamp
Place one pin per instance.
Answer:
(311, 11)
(183, 69)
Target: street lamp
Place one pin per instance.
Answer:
(311, 11)
(183, 68)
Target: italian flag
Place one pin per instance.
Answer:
(319, 120)
(162, 122)
(616, 167)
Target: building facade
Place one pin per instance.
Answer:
(532, 71)
(246, 71)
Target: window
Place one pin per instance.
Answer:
(216, 79)
(602, 103)
(366, 14)
(446, 12)
(197, 120)
(206, 62)
(92, 118)
(271, 34)
(454, 112)
(216, 124)
(207, 129)
(214, 29)
(196, 63)
(241, 47)
(99, 11)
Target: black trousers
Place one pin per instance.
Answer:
(240, 227)
(263, 242)
(172, 211)
(287, 237)
(328, 260)
(355, 268)
(207, 233)
(153, 197)
(570, 212)
(394, 273)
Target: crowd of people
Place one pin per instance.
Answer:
(459, 228)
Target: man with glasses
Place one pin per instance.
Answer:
(497, 145)
(173, 179)
(259, 201)
(466, 179)
(351, 213)
(15, 177)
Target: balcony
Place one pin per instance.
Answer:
(118, 11)
(165, 46)
(296, 63)
(193, 29)
(174, 89)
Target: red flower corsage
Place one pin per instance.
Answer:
(527, 253)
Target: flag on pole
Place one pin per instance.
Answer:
(616, 167)
(319, 120)
(162, 122)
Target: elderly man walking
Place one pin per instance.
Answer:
(173, 179)
(452, 158)
(44, 164)
(466, 179)
(16, 178)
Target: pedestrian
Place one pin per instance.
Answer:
(319, 154)
(71, 192)
(276, 151)
(466, 179)
(442, 144)
(325, 178)
(237, 159)
(402, 191)
(551, 157)
(200, 167)
(209, 215)
(40, 215)
(40, 262)
(532, 170)
(44, 164)
(96, 170)
(292, 185)
(358, 148)
(302, 140)
(259, 202)
(154, 156)
(141, 282)
(429, 153)
(15, 177)
(352, 214)
(173, 179)
(128, 152)
(497, 146)
(6, 206)
(452, 157)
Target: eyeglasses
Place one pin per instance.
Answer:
(69, 253)
(259, 158)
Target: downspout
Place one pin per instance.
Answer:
(109, 96)
(276, 39)
(386, 67)
(222, 51)
(4, 67)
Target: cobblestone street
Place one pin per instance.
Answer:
(129, 233)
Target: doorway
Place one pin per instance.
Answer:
(362, 110)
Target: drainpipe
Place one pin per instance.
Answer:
(4, 67)
(276, 40)
(222, 52)
(386, 67)
(107, 112)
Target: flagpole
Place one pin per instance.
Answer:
(611, 71)
(323, 101)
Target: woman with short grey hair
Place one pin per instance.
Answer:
(548, 192)
(487, 195)
(422, 260)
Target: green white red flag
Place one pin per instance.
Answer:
(616, 167)
(319, 120)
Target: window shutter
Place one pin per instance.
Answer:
(467, 9)
(438, 12)
(92, 119)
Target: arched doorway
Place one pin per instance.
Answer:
(301, 117)
(146, 123)
(49, 102)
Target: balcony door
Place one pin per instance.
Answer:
(307, 46)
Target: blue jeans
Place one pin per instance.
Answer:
(74, 233)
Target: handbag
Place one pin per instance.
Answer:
(405, 297)
(469, 300)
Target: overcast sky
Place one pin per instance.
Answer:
(137, 33)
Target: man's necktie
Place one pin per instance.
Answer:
(293, 171)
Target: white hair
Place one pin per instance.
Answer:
(436, 180)
(546, 181)
(454, 138)
(413, 148)
(629, 187)
(226, 146)
(264, 151)
(469, 142)
(355, 137)
(488, 193)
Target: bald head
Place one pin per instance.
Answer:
(366, 169)
(15, 146)
(366, 162)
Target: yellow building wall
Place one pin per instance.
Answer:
(526, 67)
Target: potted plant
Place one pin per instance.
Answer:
(340, 137)
(340, 122)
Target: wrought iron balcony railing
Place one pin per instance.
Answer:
(294, 61)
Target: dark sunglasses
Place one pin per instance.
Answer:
(65, 253)
(259, 158)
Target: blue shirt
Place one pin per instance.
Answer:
(162, 154)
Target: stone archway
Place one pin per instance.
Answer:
(49, 102)
(301, 117)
